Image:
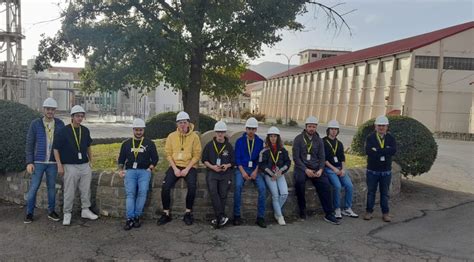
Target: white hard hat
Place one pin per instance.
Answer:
(381, 121)
(138, 123)
(182, 116)
(333, 124)
(273, 131)
(220, 127)
(312, 120)
(50, 102)
(252, 123)
(77, 109)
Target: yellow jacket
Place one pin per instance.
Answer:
(183, 148)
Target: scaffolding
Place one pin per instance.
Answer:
(12, 75)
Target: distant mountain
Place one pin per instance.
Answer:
(268, 69)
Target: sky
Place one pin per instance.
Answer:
(372, 22)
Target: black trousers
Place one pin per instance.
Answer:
(170, 181)
(323, 188)
(218, 185)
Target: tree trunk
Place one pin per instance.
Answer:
(192, 93)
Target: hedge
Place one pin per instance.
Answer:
(416, 147)
(161, 125)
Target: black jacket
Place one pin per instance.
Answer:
(227, 155)
(300, 150)
(65, 143)
(266, 162)
(330, 153)
(374, 158)
(146, 156)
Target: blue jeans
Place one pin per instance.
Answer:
(51, 171)
(136, 179)
(279, 190)
(239, 184)
(338, 182)
(381, 179)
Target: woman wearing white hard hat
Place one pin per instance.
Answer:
(380, 146)
(218, 156)
(72, 150)
(275, 162)
(338, 177)
(137, 159)
(40, 158)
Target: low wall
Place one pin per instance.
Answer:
(108, 195)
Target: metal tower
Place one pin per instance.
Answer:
(12, 75)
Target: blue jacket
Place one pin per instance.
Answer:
(36, 141)
(242, 157)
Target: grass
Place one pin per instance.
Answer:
(105, 157)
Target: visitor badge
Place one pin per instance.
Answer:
(382, 158)
(79, 155)
(135, 164)
(218, 161)
(180, 156)
(250, 164)
(308, 157)
(336, 160)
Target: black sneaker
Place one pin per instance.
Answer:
(223, 221)
(237, 221)
(53, 216)
(136, 222)
(303, 215)
(128, 224)
(331, 219)
(28, 219)
(188, 218)
(164, 219)
(261, 222)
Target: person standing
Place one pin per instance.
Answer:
(40, 158)
(137, 159)
(380, 146)
(72, 151)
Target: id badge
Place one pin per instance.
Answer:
(308, 157)
(180, 156)
(79, 155)
(382, 158)
(135, 165)
(250, 164)
(218, 161)
(336, 160)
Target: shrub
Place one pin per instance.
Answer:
(416, 147)
(259, 117)
(16, 119)
(161, 125)
(292, 123)
(279, 121)
(245, 114)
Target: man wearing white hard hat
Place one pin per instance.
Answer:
(309, 157)
(380, 146)
(72, 150)
(183, 151)
(218, 156)
(275, 162)
(137, 159)
(335, 169)
(40, 158)
(247, 149)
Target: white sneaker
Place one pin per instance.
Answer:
(348, 212)
(86, 213)
(67, 219)
(337, 213)
(281, 221)
(276, 217)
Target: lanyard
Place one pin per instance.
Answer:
(135, 150)
(215, 147)
(49, 130)
(310, 145)
(78, 141)
(334, 150)
(275, 160)
(250, 148)
(381, 141)
(182, 140)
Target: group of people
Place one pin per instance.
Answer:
(54, 148)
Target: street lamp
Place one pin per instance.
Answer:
(288, 83)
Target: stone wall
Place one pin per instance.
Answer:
(108, 195)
